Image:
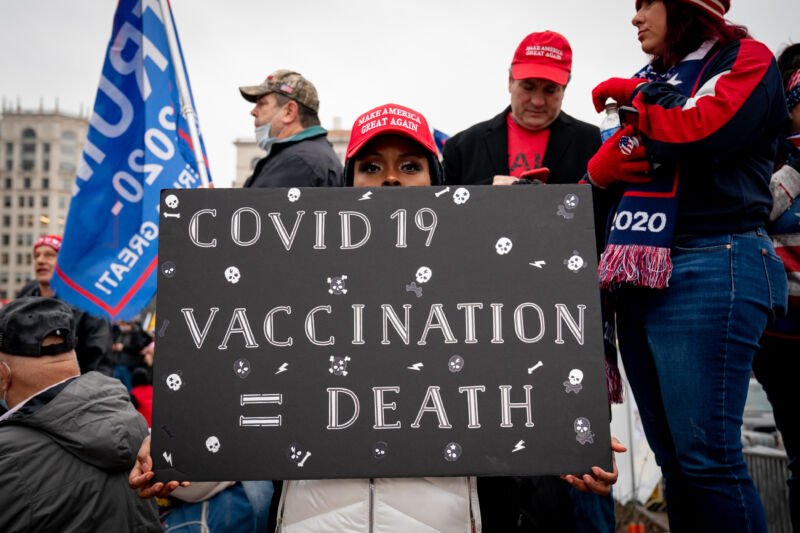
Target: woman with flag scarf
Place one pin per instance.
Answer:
(693, 275)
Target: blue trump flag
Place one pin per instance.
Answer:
(440, 138)
(138, 143)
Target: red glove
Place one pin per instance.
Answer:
(620, 158)
(618, 89)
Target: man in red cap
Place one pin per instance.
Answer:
(533, 132)
(93, 333)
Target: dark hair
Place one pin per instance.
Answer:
(308, 117)
(688, 27)
(789, 62)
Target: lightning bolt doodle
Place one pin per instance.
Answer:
(538, 264)
(168, 458)
(519, 446)
(366, 196)
(282, 368)
(416, 366)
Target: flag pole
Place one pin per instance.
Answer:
(183, 90)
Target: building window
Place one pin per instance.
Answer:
(28, 276)
(6, 239)
(26, 183)
(46, 156)
(9, 156)
(45, 183)
(6, 201)
(9, 183)
(62, 202)
(20, 238)
(28, 259)
(6, 221)
(21, 201)
(4, 261)
(20, 221)
(69, 151)
(18, 276)
(19, 259)
(30, 223)
(45, 201)
(28, 149)
(30, 201)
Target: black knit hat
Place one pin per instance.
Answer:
(26, 322)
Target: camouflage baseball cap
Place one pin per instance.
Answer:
(287, 83)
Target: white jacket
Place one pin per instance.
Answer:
(380, 505)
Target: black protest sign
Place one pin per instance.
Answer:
(343, 333)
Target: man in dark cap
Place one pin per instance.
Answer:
(288, 128)
(68, 440)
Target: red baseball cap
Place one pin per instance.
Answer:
(716, 8)
(390, 118)
(544, 55)
(53, 241)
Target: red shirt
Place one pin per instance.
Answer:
(525, 148)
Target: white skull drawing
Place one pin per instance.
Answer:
(503, 245)
(455, 364)
(582, 425)
(452, 451)
(171, 201)
(338, 365)
(294, 194)
(232, 274)
(174, 382)
(461, 196)
(213, 444)
(575, 376)
(380, 449)
(424, 274)
(294, 452)
(570, 201)
(575, 262)
(168, 269)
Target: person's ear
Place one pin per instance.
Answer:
(510, 80)
(290, 112)
(5, 376)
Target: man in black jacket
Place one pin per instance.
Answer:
(533, 132)
(288, 128)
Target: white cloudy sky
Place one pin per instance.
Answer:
(447, 59)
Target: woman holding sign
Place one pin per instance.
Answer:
(694, 275)
(390, 146)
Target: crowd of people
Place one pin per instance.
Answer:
(704, 292)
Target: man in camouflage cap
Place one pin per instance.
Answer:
(288, 128)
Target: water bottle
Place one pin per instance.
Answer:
(611, 123)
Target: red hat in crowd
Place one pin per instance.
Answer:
(392, 119)
(53, 241)
(544, 55)
(717, 8)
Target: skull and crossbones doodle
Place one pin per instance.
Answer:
(570, 202)
(338, 365)
(575, 262)
(213, 444)
(573, 382)
(232, 274)
(583, 430)
(294, 452)
(174, 382)
(336, 285)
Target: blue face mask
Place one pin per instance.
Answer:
(263, 139)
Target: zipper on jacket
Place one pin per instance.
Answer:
(371, 503)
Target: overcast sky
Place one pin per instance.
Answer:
(446, 59)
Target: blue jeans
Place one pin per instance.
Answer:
(688, 351)
(242, 508)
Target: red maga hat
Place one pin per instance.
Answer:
(390, 118)
(53, 241)
(717, 8)
(544, 55)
